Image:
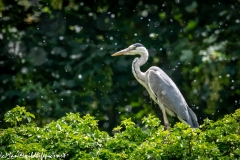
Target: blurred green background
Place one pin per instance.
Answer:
(55, 56)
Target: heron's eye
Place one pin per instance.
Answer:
(132, 47)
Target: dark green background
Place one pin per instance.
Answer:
(55, 56)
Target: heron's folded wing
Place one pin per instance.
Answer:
(168, 93)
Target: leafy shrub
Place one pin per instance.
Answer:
(75, 137)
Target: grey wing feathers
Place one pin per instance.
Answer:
(168, 94)
(193, 117)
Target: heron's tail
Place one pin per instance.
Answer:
(193, 117)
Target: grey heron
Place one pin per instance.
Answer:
(160, 87)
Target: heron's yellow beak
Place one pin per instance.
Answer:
(122, 52)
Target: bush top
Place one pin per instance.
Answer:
(74, 137)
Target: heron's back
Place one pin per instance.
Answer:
(168, 94)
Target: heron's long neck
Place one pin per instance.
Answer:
(137, 63)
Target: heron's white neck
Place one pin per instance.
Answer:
(137, 63)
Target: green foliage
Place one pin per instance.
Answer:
(17, 114)
(75, 137)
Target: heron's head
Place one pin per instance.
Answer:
(136, 48)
